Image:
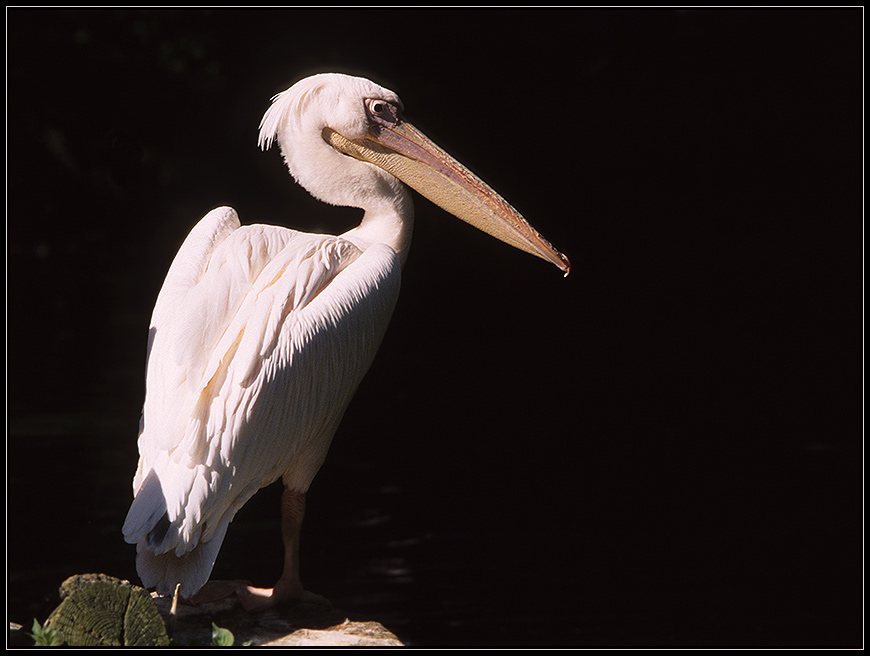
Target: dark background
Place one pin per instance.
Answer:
(663, 449)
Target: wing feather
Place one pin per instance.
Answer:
(255, 351)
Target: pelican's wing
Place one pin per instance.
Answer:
(259, 339)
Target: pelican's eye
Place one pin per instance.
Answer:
(382, 112)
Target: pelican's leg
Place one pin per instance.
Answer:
(289, 587)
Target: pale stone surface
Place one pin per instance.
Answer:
(300, 625)
(348, 634)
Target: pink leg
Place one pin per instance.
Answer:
(289, 587)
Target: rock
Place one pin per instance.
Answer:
(16, 636)
(295, 625)
(346, 634)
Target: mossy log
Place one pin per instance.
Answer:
(99, 610)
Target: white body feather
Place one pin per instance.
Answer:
(259, 338)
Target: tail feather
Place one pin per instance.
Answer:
(146, 511)
(148, 525)
(166, 570)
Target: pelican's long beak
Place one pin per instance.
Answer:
(411, 156)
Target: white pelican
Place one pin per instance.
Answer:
(261, 334)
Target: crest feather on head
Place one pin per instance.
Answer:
(285, 105)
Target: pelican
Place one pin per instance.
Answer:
(261, 334)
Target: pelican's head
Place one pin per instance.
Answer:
(344, 139)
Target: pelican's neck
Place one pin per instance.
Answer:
(388, 219)
(341, 180)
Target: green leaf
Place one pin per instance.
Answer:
(44, 636)
(221, 637)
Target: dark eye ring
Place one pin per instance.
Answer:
(382, 112)
(378, 107)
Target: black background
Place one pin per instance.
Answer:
(665, 448)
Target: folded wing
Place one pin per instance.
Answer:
(259, 338)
